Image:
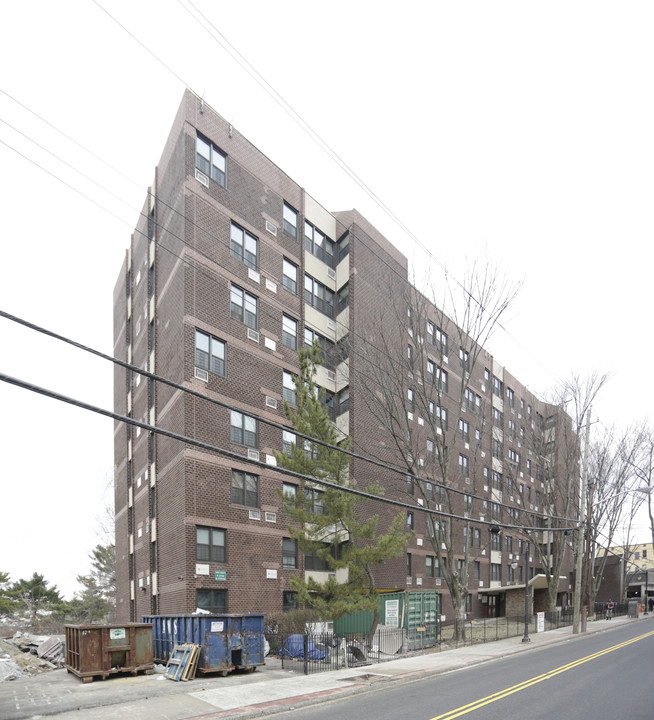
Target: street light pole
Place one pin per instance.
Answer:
(581, 533)
(526, 638)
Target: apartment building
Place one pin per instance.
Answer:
(231, 269)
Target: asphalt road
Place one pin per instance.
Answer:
(603, 676)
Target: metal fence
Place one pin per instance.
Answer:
(482, 630)
(311, 653)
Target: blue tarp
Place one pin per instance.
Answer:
(294, 647)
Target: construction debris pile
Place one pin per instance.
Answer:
(24, 655)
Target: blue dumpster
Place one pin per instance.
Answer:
(227, 642)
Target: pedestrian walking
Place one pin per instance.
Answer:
(650, 602)
(609, 609)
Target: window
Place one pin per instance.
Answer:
(210, 160)
(439, 412)
(327, 347)
(289, 332)
(512, 429)
(243, 246)
(318, 296)
(289, 554)
(343, 401)
(464, 430)
(289, 276)
(288, 440)
(290, 221)
(289, 491)
(497, 481)
(496, 541)
(467, 504)
(430, 450)
(476, 537)
(498, 418)
(410, 405)
(318, 244)
(463, 464)
(510, 575)
(343, 297)
(430, 566)
(243, 307)
(410, 487)
(497, 449)
(314, 561)
(289, 601)
(464, 359)
(476, 570)
(472, 400)
(209, 353)
(409, 522)
(243, 429)
(496, 572)
(288, 391)
(508, 544)
(408, 565)
(344, 246)
(313, 500)
(441, 376)
(510, 397)
(213, 601)
(210, 545)
(437, 337)
(409, 356)
(498, 387)
(245, 489)
(431, 371)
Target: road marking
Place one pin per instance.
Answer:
(465, 709)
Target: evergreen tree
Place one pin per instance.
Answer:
(35, 598)
(7, 604)
(97, 600)
(327, 522)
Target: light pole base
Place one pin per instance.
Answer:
(526, 638)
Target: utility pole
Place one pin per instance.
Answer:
(581, 533)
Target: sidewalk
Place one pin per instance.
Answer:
(63, 696)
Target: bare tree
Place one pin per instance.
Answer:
(643, 467)
(611, 480)
(416, 376)
(555, 443)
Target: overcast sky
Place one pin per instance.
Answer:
(519, 131)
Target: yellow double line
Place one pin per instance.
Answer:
(465, 709)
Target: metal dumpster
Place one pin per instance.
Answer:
(227, 642)
(102, 650)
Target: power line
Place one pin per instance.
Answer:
(259, 418)
(230, 454)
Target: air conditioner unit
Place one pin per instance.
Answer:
(271, 517)
(468, 481)
(253, 454)
(255, 515)
(201, 177)
(271, 402)
(271, 228)
(254, 275)
(438, 581)
(331, 273)
(201, 374)
(331, 375)
(253, 335)
(421, 502)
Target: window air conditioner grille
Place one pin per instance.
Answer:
(253, 335)
(253, 454)
(201, 374)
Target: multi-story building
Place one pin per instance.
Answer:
(231, 269)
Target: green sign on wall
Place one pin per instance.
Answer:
(221, 575)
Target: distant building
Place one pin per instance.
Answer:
(231, 269)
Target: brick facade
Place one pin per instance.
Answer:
(180, 277)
